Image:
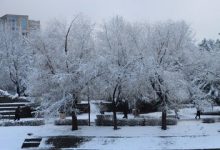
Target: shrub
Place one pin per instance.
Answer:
(136, 122)
(157, 122)
(171, 121)
(122, 122)
(211, 113)
(23, 123)
(81, 122)
(104, 117)
(152, 122)
(106, 120)
(103, 122)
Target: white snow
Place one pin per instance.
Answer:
(187, 134)
(11, 104)
(4, 93)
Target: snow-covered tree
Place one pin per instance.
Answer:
(119, 51)
(166, 56)
(121, 60)
(204, 74)
(64, 66)
(15, 61)
(207, 45)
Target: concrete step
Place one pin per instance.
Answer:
(12, 104)
(31, 143)
(10, 100)
(33, 139)
(7, 112)
(11, 117)
(7, 108)
(7, 117)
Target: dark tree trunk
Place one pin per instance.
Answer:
(74, 117)
(164, 120)
(18, 90)
(114, 115)
(114, 108)
(74, 121)
(89, 113)
(163, 98)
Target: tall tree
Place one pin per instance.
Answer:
(119, 53)
(15, 62)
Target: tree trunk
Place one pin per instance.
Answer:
(74, 121)
(89, 112)
(18, 90)
(114, 108)
(114, 115)
(164, 120)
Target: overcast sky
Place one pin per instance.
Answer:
(202, 15)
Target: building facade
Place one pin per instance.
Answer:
(19, 24)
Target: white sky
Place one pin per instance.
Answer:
(202, 15)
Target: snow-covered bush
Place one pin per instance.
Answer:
(81, 122)
(106, 120)
(136, 122)
(211, 113)
(152, 122)
(33, 122)
(103, 122)
(171, 121)
(157, 122)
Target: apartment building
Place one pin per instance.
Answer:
(19, 24)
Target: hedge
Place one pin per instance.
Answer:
(103, 120)
(23, 123)
(81, 122)
(211, 113)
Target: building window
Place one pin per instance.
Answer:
(24, 24)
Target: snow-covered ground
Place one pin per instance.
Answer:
(187, 134)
